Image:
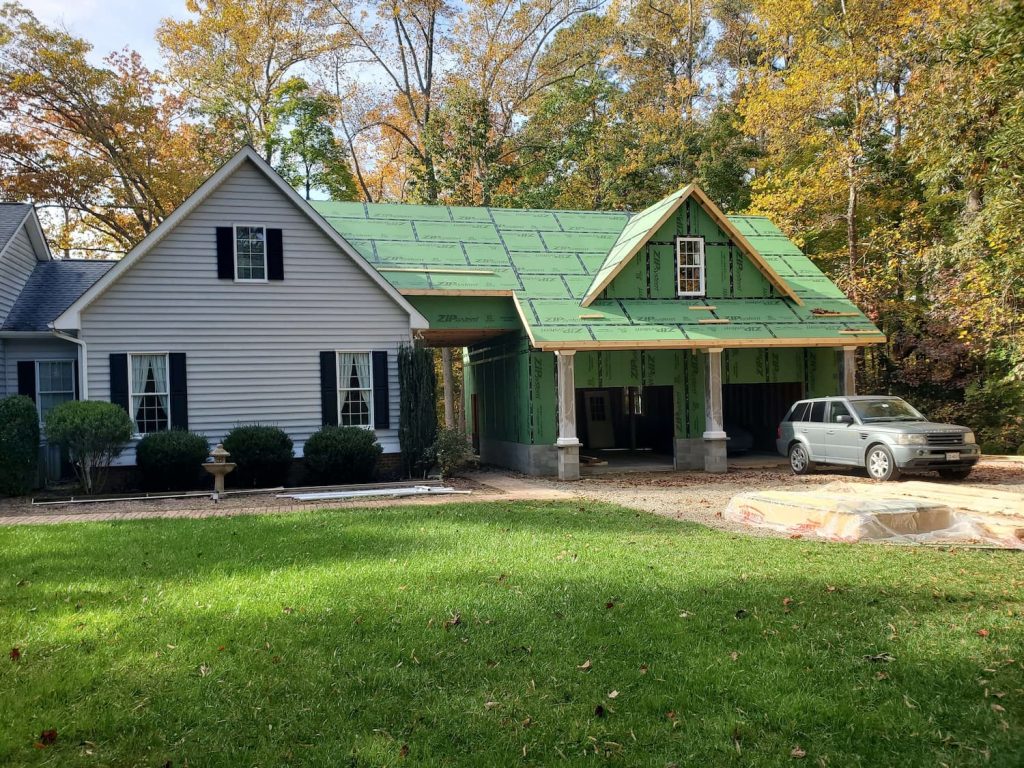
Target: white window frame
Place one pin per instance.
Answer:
(137, 434)
(39, 379)
(337, 375)
(234, 251)
(701, 265)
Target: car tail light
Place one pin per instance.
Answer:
(778, 432)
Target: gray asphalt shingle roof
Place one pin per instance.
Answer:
(51, 288)
(11, 216)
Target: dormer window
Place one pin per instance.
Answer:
(250, 254)
(690, 266)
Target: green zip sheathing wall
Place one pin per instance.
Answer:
(516, 390)
(729, 273)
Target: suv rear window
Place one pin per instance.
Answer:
(817, 411)
(799, 412)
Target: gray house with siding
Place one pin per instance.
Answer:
(243, 306)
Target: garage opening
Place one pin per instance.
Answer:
(625, 428)
(752, 413)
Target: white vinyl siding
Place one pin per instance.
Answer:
(16, 265)
(690, 266)
(253, 349)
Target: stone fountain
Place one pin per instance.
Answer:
(218, 466)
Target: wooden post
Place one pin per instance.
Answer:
(714, 422)
(849, 371)
(567, 442)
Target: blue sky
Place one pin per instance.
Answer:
(110, 24)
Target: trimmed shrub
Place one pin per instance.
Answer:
(452, 449)
(19, 445)
(94, 434)
(172, 461)
(263, 455)
(342, 455)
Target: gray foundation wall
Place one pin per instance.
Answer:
(529, 459)
(690, 453)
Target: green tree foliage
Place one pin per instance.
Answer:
(310, 156)
(417, 421)
(19, 445)
(94, 433)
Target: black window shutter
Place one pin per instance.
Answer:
(381, 398)
(226, 253)
(329, 388)
(275, 255)
(27, 378)
(74, 374)
(119, 381)
(179, 390)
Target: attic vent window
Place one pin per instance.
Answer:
(690, 261)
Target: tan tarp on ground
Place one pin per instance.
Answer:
(911, 512)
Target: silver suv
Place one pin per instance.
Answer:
(885, 435)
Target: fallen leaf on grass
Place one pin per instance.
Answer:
(798, 753)
(742, 613)
(204, 670)
(454, 621)
(404, 751)
(585, 666)
(734, 655)
(982, 633)
(643, 669)
(48, 736)
(881, 675)
(997, 707)
(288, 609)
(787, 601)
(610, 604)
(613, 695)
(884, 656)
(15, 654)
(491, 704)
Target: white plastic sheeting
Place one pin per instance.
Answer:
(414, 490)
(865, 513)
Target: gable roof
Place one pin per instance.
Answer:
(70, 318)
(547, 260)
(51, 288)
(15, 215)
(645, 224)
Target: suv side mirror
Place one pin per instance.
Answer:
(844, 418)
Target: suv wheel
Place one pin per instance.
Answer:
(880, 464)
(799, 460)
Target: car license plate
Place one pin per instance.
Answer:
(952, 457)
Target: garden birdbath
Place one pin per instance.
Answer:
(218, 466)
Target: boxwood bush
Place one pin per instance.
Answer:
(94, 434)
(172, 461)
(342, 455)
(19, 445)
(263, 455)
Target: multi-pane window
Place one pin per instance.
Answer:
(150, 393)
(55, 384)
(250, 253)
(690, 261)
(355, 390)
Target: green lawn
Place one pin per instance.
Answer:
(484, 635)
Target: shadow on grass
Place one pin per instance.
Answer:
(340, 638)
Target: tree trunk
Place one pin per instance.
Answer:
(449, 388)
(851, 225)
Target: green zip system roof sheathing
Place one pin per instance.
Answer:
(474, 267)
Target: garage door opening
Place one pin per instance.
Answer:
(625, 428)
(752, 413)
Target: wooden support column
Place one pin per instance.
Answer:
(567, 442)
(714, 422)
(848, 371)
